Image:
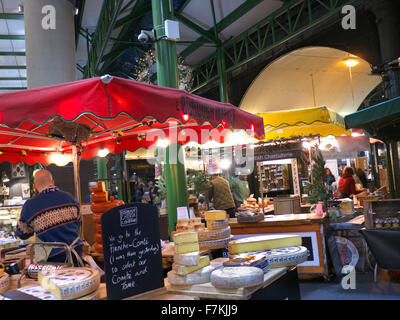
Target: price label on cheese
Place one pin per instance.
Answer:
(182, 213)
(132, 250)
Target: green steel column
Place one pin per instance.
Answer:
(396, 170)
(222, 78)
(167, 76)
(389, 170)
(102, 170)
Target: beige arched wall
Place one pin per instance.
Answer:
(310, 77)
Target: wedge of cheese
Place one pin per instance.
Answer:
(262, 243)
(4, 282)
(215, 215)
(187, 259)
(185, 237)
(70, 283)
(200, 276)
(186, 247)
(184, 270)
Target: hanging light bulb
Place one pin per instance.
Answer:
(351, 62)
(60, 159)
(103, 152)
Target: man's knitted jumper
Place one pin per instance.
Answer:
(53, 215)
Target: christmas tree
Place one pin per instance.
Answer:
(317, 190)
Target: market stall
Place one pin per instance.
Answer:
(83, 119)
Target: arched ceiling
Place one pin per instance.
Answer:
(310, 77)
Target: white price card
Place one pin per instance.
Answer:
(182, 213)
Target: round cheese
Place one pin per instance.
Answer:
(70, 283)
(200, 276)
(214, 244)
(214, 234)
(4, 282)
(217, 224)
(237, 277)
(289, 256)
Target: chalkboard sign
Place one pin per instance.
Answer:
(132, 250)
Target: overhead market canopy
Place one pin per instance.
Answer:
(303, 123)
(109, 112)
(381, 121)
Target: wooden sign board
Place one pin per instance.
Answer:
(132, 250)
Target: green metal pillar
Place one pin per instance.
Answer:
(222, 78)
(167, 76)
(389, 170)
(396, 170)
(102, 170)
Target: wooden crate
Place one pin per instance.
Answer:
(382, 209)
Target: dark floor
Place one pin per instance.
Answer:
(365, 288)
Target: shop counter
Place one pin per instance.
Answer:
(309, 226)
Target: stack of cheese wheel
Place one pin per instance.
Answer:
(188, 267)
(239, 276)
(70, 283)
(99, 197)
(218, 233)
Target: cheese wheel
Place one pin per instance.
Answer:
(187, 259)
(289, 256)
(101, 207)
(184, 270)
(4, 282)
(214, 244)
(217, 224)
(262, 243)
(200, 276)
(185, 237)
(237, 277)
(70, 283)
(186, 247)
(182, 222)
(43, 294)
(215, 215)
(195, 220)
(214, 234)
(99, 196)
(101, 187)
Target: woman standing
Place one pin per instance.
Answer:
(347, 185)
(330, 178)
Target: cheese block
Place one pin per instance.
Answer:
(214, 244)
(4, 282)
(262, 243)
(200, 276)
(186, 247)
(214, 234)
(70, 283)
(215, 215)
(187, 259)
(237, 277)
(40, 293)
(185, 237)
(184, 270)
(217, 224)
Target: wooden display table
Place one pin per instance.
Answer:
(284, 278)
(309, 226)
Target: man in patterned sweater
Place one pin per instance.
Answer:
(53, 215)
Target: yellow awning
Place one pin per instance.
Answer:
(303, 123)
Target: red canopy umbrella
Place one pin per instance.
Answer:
(36, 125)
